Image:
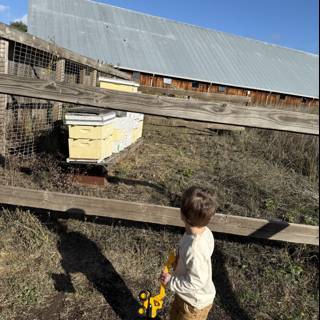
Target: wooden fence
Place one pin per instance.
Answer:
(230, 224)
(162, 106)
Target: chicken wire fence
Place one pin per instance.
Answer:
(26, 122)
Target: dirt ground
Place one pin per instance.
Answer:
(84, 268)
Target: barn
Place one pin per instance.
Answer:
(162, 53)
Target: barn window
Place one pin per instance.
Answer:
(167, 80)
(282, 96)
(304, 100)
(222, 89)
(195, 84)
(136, 76)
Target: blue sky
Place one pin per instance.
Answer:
(290, 23)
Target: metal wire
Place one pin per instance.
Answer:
(26, 119)
(25, 123)
(25, 61)
(76, 73)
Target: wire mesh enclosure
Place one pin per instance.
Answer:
(27, 123)
(29, 62)
(24, 120)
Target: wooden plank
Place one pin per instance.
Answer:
(213, 97)
(258, 228)
(60, 77)
(93, 78)
(161, 121)
(162, 106)
(13, 34)
(4, 67)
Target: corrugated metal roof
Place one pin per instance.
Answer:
(145, 43)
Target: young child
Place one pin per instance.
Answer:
(192, 278)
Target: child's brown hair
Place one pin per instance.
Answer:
(198, 206)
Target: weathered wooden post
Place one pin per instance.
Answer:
(60, 77)
(4, 69)
(82, 76)
(93, 78)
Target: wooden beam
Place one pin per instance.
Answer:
(210, 97)
(162, 121)
(162, 106)
(12, 34)
(258, 228)
(60, 77)
(93, 78)
(4, 68)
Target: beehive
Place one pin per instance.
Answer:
(127, 127)
(90, 133)
(97, 149)
(122, 130)
(118, 85)
(137, 130)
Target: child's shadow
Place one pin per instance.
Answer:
(229, 300)
(80, 254)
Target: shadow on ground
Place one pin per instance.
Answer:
(228, 299)
(82, 255)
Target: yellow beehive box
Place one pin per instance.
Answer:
(120, 128)
(118, 85)
(137, 132)
(90, 132)
(90, 149)
(118, 134)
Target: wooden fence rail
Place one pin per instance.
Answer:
(162, 106)
(210, 97)
(243, 226)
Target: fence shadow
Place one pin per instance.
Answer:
(270, 229)
(221, 279)
(228, 299)
(82, 255)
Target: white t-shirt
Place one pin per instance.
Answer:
(192, 278)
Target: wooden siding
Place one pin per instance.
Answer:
(258, 97)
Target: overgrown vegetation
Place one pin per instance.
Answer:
(91, 269)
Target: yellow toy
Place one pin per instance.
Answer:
(150, 305)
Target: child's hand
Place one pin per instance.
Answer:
(165, 278)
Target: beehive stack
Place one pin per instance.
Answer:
(128, 126)
(118, 84)
(90, 133)
(137, 125)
